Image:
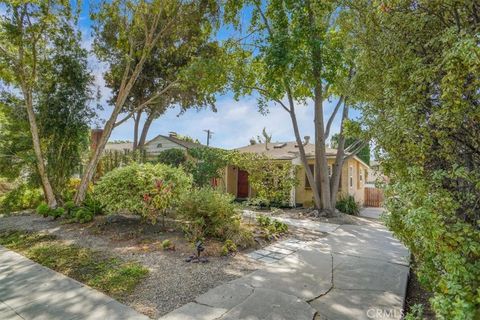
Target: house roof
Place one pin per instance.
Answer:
(287, 150)
(183, 143)
(114, 146)
(283, 150)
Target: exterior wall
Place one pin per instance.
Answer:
(153, 149)
(304, 196)
(231, 179)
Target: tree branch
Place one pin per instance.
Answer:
(333, 115)
(144, 104)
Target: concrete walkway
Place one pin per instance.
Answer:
(30, 291)
(355, 272)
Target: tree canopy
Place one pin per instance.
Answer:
(418, 68)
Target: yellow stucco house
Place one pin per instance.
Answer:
(352, 180)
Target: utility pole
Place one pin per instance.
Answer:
(209, 135)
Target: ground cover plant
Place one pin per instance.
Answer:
(348, 205)
(105, 273)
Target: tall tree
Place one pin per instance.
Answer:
(419, 63)
(294, 52)
(64, 109)
(128, 35)
(25, 34)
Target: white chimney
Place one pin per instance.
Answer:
(172, 134)
(307, 139)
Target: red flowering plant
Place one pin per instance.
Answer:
(158, 201)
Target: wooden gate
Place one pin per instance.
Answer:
(373, 197)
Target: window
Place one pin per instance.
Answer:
(312, 169)
(159, 145)
(351, 176)
(360, 177)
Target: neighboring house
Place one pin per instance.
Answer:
(156, 145)
(352, 180)
(375, 175)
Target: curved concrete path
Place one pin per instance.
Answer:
(355, 272)
(31, 291)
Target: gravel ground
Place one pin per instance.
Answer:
(171, 283)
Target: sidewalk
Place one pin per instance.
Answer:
(30, 291)
(355, 272)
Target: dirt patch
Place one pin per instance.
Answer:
(171, 282)
(418, 295)
(308, 214)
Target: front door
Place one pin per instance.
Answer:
(242, 184)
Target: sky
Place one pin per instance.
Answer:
(234, 123)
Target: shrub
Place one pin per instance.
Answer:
(228, 247)
(43, 209)
(347, 204)
(20, 198)
(83, 215)
(168, 245)
(56, 213)
(209, 213)
(172, 157)
(271, 226)
(69, 207)
(241, 236)
(123, 189)
(271, 180)
(206, 164)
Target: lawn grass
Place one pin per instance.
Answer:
(105, 273)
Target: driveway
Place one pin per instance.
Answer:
(355, 272)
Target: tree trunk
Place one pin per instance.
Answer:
(146, 127)
(137, 119)
(321, 174)
(303, 157)
(46, 186)
(92, 165)
(339, 159)
(123, 92)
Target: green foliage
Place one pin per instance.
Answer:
(20, 198)
(15, 138)
(172, 157)
(272, 180)
(168, 245)
(124, 189)
(229, 247)
(272, 227)
(209, 213)
(206, 164)
(43, 209)
(363, 154)
(348, 205)
(83, 215)
(415, 313)
(421, 105)
(113, 159)
(64, 109)
(107, 274)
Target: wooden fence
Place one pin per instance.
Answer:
(373, 197)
